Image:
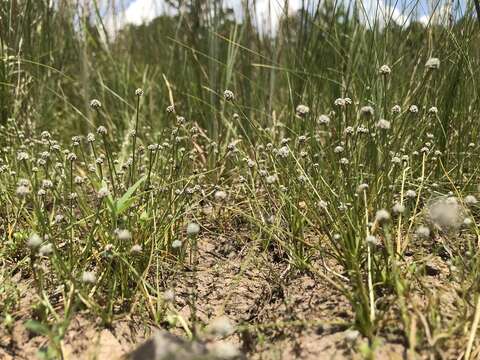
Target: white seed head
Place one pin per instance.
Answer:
(398, 208)
(139, 92)
(102, 130)
(176, 244)
(385, 70)
(89, 277)
(193, 229)
(383, 124)
(433, 63)
(124, 235)
(34, 241)
(470, 200)
(220, 195)
(302, 110)
(95, 104)
(423, 232)
(45, 250)
(361, 188)
(324, 119)
(367, 111)
(136, 249)
(396, 109)
(411, 194)
(228, 95)
(103, 192)
(382, 216)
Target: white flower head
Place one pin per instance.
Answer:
(423, 232)
(124, 235)
(385, 70)
(383, 124)
(302, 110)
(220, 195)
(95, 104)
(382, 216)
(193, 229)
(34, 241)
(323, 119)
(433, 63)
(228, 95)
(367, 111)
(396, 109)
(89, 277)
(103, 192)
(470, 200)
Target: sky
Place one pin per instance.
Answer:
(401, 11)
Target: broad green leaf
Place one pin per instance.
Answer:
(124, 202)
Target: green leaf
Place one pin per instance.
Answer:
(124, 202)
(37, 327)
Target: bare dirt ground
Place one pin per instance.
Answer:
(280, 312)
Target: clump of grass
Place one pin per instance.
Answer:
(359, 169)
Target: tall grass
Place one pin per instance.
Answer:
(310, 179)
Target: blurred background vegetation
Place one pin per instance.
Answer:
(57, 56)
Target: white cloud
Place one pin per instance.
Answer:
(268, 13)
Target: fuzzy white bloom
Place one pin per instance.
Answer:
(445, 213)
(367, 111)
(470, 200)
(34, 241)
(22, 191)
(193, 229)
(344, 161)
(349, 130)
(324, 119)
(139, 92)
(169, 296)
(413, 109)
(283, 151)
(361, 188)
(103, 192)
(410, 194)
(373, 240)
(396, 109)
(433, 63)
(398, 208)
(433, 110)
(89, 277)
(176, 244)
(340, 102)
(382, 216)
(302, 110)
(124, 235)
(271, 179)
(46, 249)
(22, 155)
(338, 149)
(136, 249)
(228, 95)
(102, 130)
(423, 232)
(95, 104)
(220, 195)
(221, 326)
(385, 70)
(383, 124)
